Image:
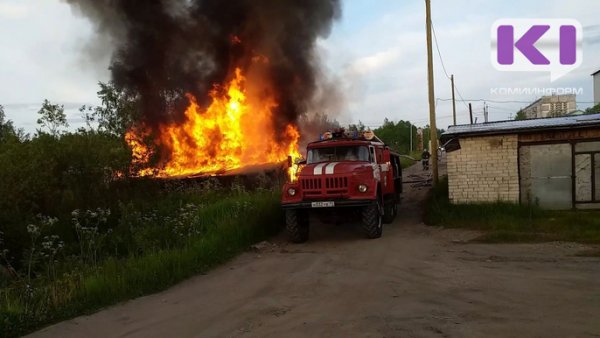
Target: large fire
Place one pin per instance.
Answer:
(233, 132)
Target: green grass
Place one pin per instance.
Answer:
(406, 162)
(229, 226)
(508, 222)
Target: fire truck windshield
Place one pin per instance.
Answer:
(342, 153)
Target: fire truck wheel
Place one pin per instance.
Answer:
(390, 210)
(372, 222)
(296, 224)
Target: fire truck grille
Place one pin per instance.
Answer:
(324, 186)
(336, 183)
(311, 183)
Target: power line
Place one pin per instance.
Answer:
(487, 100)
(462, 99)
(501, 101)
(375, 125)
(459, 95)
(437, 47)
(500, 108)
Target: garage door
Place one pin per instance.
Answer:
(546, 175)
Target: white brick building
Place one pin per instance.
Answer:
(551, 162)
(483, 170)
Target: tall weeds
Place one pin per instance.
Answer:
(161, 244)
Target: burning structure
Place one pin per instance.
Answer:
(219, 84)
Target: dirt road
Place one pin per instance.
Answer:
(416, 281)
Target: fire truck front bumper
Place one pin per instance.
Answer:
(328, 204)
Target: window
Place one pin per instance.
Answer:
(342, 153)
(587, 172)
(558, 108)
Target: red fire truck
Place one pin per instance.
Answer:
(348, 173)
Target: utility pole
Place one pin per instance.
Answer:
(453, 100)
(487, 112)
(471, 113)
(432, 124)
(410, 126)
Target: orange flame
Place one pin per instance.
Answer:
(233, 132)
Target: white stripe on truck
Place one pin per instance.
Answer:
(329, 168)
(319, 169)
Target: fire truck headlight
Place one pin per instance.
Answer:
(291, 191)
(362, 188)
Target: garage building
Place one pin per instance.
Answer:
(552, 162)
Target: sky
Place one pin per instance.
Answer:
(376, 53)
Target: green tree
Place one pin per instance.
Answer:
(6, 126)
(53, 117)
(593, 110)
(357, 127)
(520, 115)
(8, 132)
(398, 135)
(87, 114)
(117, 112)
(427, 136)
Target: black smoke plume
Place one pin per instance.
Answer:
(166, 48)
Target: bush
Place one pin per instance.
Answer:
(52, 176)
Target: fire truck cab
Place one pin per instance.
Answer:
(344, 172)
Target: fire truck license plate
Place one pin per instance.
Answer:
(326, 204)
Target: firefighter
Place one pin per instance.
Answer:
(425, 159)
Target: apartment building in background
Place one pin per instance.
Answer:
(551, 106)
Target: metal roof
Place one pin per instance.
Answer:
(598, 71)
(521, 126)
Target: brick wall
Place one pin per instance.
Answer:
(485, 169)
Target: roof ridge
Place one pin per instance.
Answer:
(532, 119)
(519, 126)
